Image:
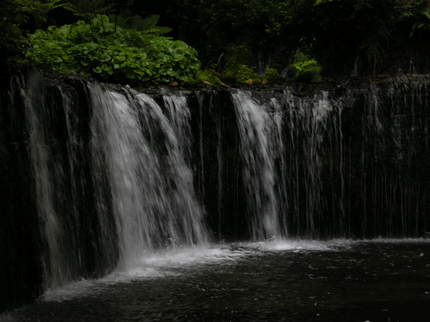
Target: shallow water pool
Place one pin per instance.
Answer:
(339, 280)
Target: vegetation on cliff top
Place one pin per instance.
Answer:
(108, 52)
(236, 40)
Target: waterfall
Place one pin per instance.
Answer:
(285, 143)
(315, 178)
(52, 225)
(394, 156)
(277, 148)
(99, 177)
(152, 185)
(131, 165)
(111, 176)
(259, 167)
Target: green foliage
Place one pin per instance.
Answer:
(241, 54)
(343, 32)
(11, 36)
(415, 13)
(109, 53)
(305, 69)
(87, 10)
(237, 12)
(209, 76)
(241, 73)
(239, 66)
(127, 20)
(272, 73)
(340, 34)
(38, 9)
(321, 1)
(245, 73)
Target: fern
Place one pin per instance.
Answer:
(39, 9)
(88, 9)
(305, 69)
(127, 20)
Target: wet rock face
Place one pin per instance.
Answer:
(19, 240)
(388, 147)
(217, 163)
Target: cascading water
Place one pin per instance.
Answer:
(285, 142)
(277, 149)
(314, 143)
(55, 264)
(152, 190)
(110, 177)
(319, 168)
(179, 115)
(185, 222)
(117, 135)
(393, 153)
(98, 178)
(77, 239)
(259, 167)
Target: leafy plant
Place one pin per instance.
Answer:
(11, 37)
(239, 66)
(87, 10)
(305, 69)
(127, 20)
(39, 9)
(110, 53)
(209, 76)
(416, 12)
(272, 73)
(241, 74)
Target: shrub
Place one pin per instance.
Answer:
(237, 67)
(272, 73)
(108, 52)
(209, 76)
(305, 69)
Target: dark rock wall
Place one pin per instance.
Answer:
(20, 251)
(386, 165)
(217, 163)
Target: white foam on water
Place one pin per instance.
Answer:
(74, 289)
(299, 245)
(171, 261)
(168, 262)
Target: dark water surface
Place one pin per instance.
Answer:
(342, 281)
